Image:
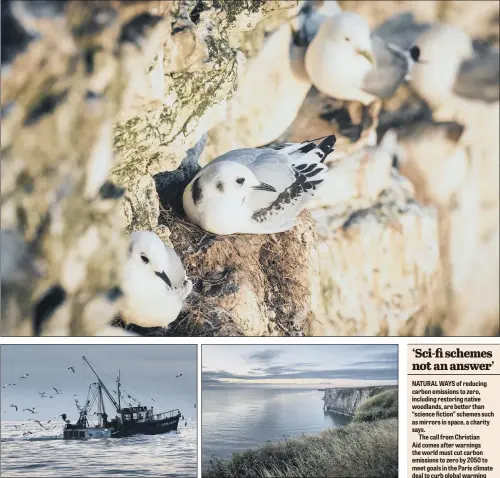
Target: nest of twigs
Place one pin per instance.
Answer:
(241, 282)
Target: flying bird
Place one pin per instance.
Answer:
(346, 62)
(59, 392)
(13, 406)
(257, 190)
(72, 369)
(39, 422)
(177, 376)
(27, 433)
(154, 282)
(23, 377)
(51, 396)
(195, 405)
(31, 410)
(42, 394)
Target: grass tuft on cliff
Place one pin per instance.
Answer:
(381, 406)
(359, 449)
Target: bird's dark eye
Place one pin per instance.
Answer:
(240, 180)
(144, 259)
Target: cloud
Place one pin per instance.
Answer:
(381, 373)
(264, 356)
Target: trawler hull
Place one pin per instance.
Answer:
(86, 433)
(153, 427)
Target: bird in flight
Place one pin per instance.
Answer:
(72, 369)
(13, 406)
(40, 423)
(42, 394)
(26, 375)
(59, 392)
(29, 410)
(177, 376)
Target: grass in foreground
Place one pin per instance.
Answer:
(379, 407)
(357, 450)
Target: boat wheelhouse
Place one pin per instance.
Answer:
(131, 420)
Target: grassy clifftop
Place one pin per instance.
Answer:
(364, 448)
(379, 407)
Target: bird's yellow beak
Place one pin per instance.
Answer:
(367, 54)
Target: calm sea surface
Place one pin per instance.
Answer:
(235, 419)
(45, 453)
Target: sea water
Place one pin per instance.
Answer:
(45, 453)
(238, 418)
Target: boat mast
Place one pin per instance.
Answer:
(101, 384)
(101, 409)
(118, 386)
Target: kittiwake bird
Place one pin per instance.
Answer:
(257, 190)
(72, 369)
(346, 62)
(59, 392)
(452, 70)
(154, 282)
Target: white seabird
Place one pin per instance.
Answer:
(345, 61)
(451, 73)
(257, 190)
(154, 282)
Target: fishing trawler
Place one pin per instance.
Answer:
(136, 420)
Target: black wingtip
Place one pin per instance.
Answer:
(327, 145)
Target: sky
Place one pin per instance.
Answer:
(147, 372)
(299, 366)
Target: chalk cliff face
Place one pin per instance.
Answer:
(99, 97)
(345, 401)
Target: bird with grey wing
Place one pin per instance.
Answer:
(452, 70)
(347, 62)
(154, 282)
(257, 190)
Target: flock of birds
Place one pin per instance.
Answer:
(263, 190)
(33, 411)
